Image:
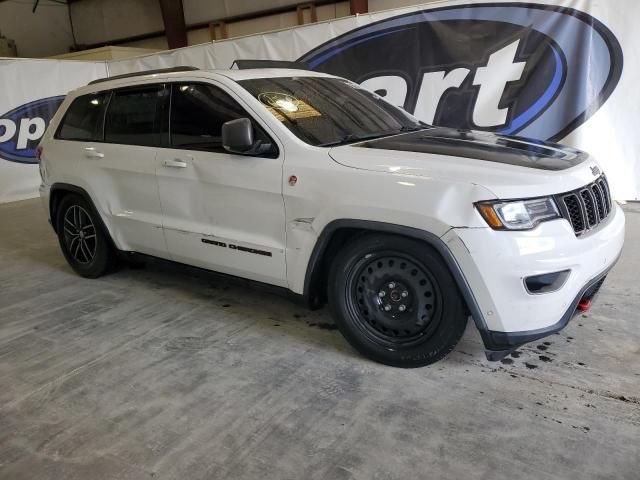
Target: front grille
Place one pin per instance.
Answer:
(574, 212)
(586, 207)
(590, 207)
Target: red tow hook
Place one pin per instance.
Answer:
(584, 305)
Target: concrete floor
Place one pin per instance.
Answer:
(173, 374)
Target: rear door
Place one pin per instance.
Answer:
(110, 140)
(125, 163)
(222, 211)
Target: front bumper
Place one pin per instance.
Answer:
(499, 344)
(495, 264)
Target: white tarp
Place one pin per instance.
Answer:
(31, 92)
(555, 70)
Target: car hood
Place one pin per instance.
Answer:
(510, 167)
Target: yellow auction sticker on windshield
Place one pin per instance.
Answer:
(286, 107)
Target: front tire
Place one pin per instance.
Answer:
(84, 244)
(395, 301)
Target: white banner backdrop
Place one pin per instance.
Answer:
(31, 92)
(577, 33)
(558, 70)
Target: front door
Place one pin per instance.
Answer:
(221, 211)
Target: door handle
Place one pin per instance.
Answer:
(175, 163)
(91, 152)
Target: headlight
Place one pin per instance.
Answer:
(518, 214)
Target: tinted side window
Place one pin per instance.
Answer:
(84, 119)
(197, 114)
(134, 117)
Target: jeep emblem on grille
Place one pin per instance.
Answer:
(595, 170)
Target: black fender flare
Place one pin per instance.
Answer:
(67, 187)
(315, 260)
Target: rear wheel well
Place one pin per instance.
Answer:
(55, 198)
(59, 191)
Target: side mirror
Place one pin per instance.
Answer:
(237, 137)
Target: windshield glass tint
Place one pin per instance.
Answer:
(328, 111)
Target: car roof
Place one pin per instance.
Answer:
(251, 73)
(235, 75)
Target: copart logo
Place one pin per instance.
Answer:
(534, 70)
(22, 128)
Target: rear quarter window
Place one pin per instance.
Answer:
(84, 119)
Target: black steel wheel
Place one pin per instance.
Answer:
(82, 239)
(398, 299)
(395, 301)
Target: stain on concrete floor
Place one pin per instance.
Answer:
(166, 373)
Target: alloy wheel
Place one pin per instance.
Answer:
(79, 234)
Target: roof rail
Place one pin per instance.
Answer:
(244, 64)
(145, 72)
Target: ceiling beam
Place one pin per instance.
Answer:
(359, 6)
(174, 25)
(202, 25)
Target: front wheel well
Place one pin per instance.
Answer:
(320, 263)
(339, 232)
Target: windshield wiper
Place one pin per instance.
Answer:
(351, 137)
(405, 128)
(345, 139)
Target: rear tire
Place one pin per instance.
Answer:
(84, 243)
(395, 301)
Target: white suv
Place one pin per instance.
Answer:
(311, 183)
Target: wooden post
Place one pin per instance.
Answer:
(175, 28)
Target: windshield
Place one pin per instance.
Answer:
(329, 111)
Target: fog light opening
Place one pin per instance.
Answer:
(547, 282)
